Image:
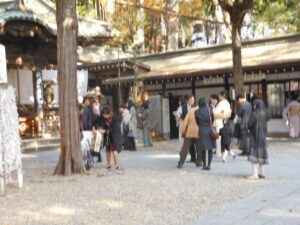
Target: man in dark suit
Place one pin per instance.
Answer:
(244, 112)
(185, 109)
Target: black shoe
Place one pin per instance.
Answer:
(99, 160)
(243, 154)
(206, 168)
(198, 164)
(193, 161)
(179, 165)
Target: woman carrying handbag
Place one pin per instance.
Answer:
(205, 142)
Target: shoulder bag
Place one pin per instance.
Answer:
(213, 133)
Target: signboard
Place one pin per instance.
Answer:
(3, 71)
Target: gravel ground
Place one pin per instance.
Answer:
(134, 195)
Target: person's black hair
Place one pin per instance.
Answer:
(240, 96)
(215, 96)
(106, 110)
(253, 98)
(182, 100)
(130, 103)
(294, 96)
(146, 105)
(224, 93)
(92, 100)
(202, 102)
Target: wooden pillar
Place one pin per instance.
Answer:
(163, 89)
(116, 98)
(226, 83)
(194, 89)
(264, 90)
(97, 79)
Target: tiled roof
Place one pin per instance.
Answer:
(43, 12)
(189, 62)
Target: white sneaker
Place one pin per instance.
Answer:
(223, 158)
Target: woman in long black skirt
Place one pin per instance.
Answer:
(257, 125)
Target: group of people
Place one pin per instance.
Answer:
(207, 127)
(131, 121)
(204, 128)
(119, 132)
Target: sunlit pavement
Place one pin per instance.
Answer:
(279, 204)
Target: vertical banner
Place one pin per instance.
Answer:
(3, 70)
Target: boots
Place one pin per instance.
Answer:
(210, 157)
(203, 156)
(99, 157)
(179, 165)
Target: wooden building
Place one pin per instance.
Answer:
(28, 31)
(271, 69)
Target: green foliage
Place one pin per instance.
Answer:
(279, 15)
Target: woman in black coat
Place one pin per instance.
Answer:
(204, 119)
(113, 132)
(257, 125)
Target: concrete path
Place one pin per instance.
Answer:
(278, 205)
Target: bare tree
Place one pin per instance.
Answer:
(70, 160)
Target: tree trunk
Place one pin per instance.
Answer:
(172, 25)
(140, 34)
(97, 7)
(238, 79)
(222, 32)
(70, 160)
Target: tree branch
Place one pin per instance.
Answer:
(244, 6)
(226, 5)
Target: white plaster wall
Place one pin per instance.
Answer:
(26, 87)
(277, 126)
(48, 75)
(82, 82)
(207, 92)
(26, 83)
(12, 80)
(3, 70)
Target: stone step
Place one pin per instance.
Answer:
(41, 148)
(39, 144)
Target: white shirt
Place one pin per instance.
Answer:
(224, 109)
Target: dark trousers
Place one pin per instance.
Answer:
(187, 143)
(192, 151)
(129, 143)
(98, 154)
(245, 141)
